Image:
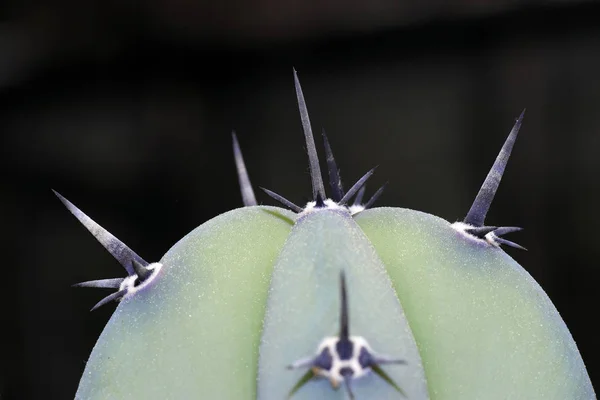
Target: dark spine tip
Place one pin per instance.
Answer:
(356, 187)
(375, 196)
(141, 271)
(115, 296)
(335, 181)
(505, 242)
(344, 319)
(113, 283)
(383, 375)
(348, 384)
(481, 205)
(315, 169)
(114, 246)
(248, 197)
(282, 200)
(503, 230)
(304, 379)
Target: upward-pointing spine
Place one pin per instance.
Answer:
(315, 169)
(481, 205)
(344, 330)
(335, 181)
(245, 186)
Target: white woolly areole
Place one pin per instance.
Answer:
(461, 227)
(329, 205)
(129, 282)
(333, 374)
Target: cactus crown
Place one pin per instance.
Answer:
(339, 198)
(140, 272)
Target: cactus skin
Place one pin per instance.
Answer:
(255, 289)
(303, 309)
(195, 332)
(485, 329)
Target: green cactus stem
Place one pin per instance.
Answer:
(388, 303)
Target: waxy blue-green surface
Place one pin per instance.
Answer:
(485, 328)
(304, 308)
(482, 327)
(194, 333)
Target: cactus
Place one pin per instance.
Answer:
(263, 302)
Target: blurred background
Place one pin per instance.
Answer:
(126, 108)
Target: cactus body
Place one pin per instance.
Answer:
(422, 309)
(195, 332)
(302, 309)
(466, 300)
(481, 325)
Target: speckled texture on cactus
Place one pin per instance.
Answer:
(331, 300)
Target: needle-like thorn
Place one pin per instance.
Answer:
(375, 196)
(382, 374)
(359, 196)
(344, 319)
(304, 362)
(481, 205)
(360, 183)
(480, 232)
(282, 200)
(245, 186)
(348, 384)
(301, 382)
(113, 283)
(383, 360)
(503, 230)
(509, 243)
(335, 181)
(315, 169)
(109, 298)
(344, 346)
(118, 249)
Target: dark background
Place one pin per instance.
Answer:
(126, 108)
